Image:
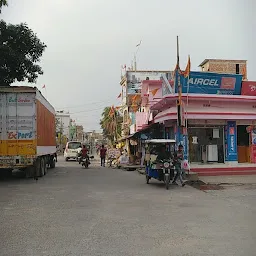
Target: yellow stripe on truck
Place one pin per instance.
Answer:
(17, 147)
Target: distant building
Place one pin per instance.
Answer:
(80, 133)
(225, 66)
(131, 84)
(63, 123)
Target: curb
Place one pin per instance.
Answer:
(141, 171)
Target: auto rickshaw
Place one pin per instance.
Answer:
(162, 170)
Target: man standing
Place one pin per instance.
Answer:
(178, 158)
(103, 151)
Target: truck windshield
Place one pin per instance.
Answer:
(74, 145)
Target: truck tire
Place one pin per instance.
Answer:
(29, 172)
(52, 162)
(42, 167)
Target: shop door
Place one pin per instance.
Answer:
(243, 144)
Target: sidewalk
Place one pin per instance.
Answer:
(250, 179)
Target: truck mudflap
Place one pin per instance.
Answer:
(16, 161)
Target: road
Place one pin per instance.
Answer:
(102, 211)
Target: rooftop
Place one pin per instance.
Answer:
(207, 60)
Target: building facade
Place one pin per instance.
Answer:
(225, 66)
(63, 123)
(131, 84)
(218, 114)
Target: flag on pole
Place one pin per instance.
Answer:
(135, 97)
(43, 86)
(187, 70)
(119, 96)
(244, 72)
(138, 44)
(154, 91)
(112, 111)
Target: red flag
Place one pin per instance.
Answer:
(119, 96)
(154, 91)
(43, 86)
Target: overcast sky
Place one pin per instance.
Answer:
(88, 41)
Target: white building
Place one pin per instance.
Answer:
(63, 123)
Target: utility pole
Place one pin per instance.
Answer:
(177, 77)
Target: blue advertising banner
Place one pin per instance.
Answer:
(185, 145)
(211, 83)
(231, 141)
(181, 140)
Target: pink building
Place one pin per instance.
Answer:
(220, 132)
(151, 93)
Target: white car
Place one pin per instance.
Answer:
(71, 150)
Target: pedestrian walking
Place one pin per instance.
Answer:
(103, 152)
(178, 158)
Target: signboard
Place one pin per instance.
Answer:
(248, 88)
(231, 141)
(211, 83)
(113, 153)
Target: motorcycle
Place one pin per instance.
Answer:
(86, 161)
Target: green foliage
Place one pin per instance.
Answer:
(111, 124)
(20, 51)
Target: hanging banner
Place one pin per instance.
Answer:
(231, 141)
(211, 83)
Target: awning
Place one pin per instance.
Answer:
(170, 114)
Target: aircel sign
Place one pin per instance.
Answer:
(211, 83)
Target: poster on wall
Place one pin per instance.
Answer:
(231, 141)
(211, 83)
(253, 135)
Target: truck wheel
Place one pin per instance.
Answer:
(52, 163)
(42, 167)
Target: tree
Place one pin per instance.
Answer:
(110, 123)
(3, 3)
(20, 51)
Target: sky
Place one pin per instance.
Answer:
(89, 40)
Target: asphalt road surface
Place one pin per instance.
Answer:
(102, 211)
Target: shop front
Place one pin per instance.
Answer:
(206, 143)
(216, 130)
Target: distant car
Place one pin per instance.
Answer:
(71, 150)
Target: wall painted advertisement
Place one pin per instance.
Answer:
(231, 141)
(211, 83)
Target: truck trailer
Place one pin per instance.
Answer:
(27, 131)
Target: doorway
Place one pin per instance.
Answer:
(243, 144)
(206, 144)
